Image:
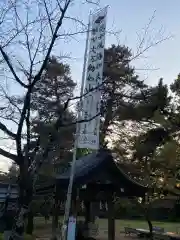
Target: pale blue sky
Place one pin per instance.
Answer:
(131, 16)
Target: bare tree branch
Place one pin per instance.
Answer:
(145, 42)
(7, 131)
(28, 139)
(146, 29)
(21, 121)
(11, 68)
(152, 44)
(38, 42)
(37, 77)
(9, 155)
(57, 125)
(48, 15)
(81, 121)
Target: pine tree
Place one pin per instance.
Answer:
(121, 85)
(48, 98)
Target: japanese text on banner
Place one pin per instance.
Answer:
(89, 131)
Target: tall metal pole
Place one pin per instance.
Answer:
(69, 191)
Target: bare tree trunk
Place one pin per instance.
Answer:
(146, 210)
(149, 224)
(30, 223)
(8, 219)
(25, 198)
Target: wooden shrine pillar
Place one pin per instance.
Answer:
(55, 216)
(74, 207)
(90, 212)
(87, 206)
(93, 212)
(111, 220)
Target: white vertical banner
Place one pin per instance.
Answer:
(71, 234)
(88, 136)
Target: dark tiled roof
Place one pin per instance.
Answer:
(100, 167)
(87, 164)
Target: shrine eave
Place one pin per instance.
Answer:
(100, 167)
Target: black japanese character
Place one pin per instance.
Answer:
(85, 115)
(101, 36)
(90, 78)
(97, 107)
(98, 77)
(102, 28)
(93, 49)
(94, 39)
(91, 68)
(85, 138)
(100, 45)
(99, 65)
(93, 58)
(99, 56)
(99, 19)
(96, 57)
(94, 31)
(88, 88)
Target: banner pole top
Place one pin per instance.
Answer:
(99, 10)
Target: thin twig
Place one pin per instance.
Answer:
(38, 75)
(11, 68)
(48, 15)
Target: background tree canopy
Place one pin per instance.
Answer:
(138, 121)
